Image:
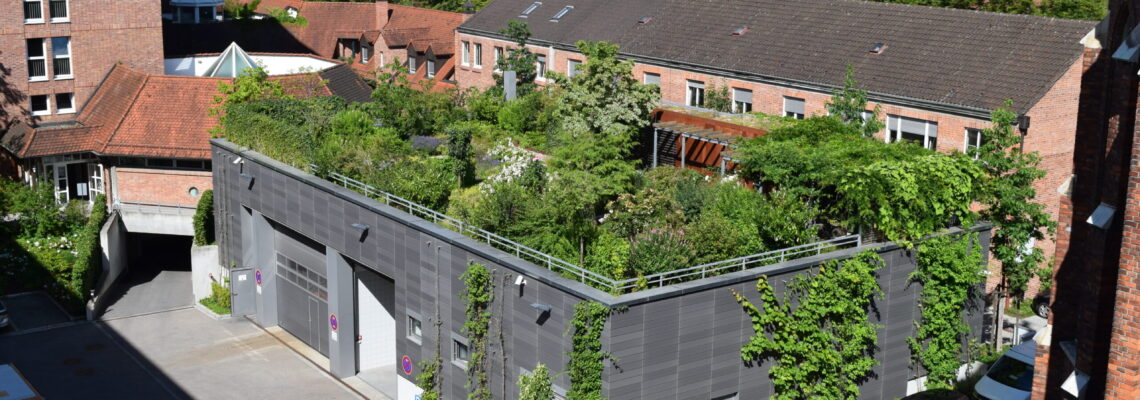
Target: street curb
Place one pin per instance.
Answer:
(210, 313)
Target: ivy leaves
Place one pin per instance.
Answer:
(478, 293)
(587, 360)
(819, 333)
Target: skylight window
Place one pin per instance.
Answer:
(645, 20)
(740, 31)
(878, 48)
(562, 13)
(531, 9)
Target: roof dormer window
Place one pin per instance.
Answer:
(530, 9)
(562, 13)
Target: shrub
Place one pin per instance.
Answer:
(89, 255)
(219, 299)
(204, 220)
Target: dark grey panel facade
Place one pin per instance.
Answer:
(677, 342)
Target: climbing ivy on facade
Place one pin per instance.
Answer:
(478, 293)
(587, 360)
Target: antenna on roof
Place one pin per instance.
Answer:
(878, 48)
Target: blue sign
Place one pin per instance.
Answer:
(406, 362)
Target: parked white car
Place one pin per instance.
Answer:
(1011, 376)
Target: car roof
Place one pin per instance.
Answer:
(1024, 352)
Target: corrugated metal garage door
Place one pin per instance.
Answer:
(302, 290)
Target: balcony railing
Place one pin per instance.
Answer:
(581, 274)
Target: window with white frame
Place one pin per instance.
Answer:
(794, 107)
(561, 13)
(61, 57)
(572, 67)
(917, 131)
(498, 56)
(465, 52)
(650, 78)
(64, 103)
(365, 53)
(540, 68)
(40, 104)
(477, 59)
(974, 141)
(430, 68)
(530, 9)
(33, 11)
(695, 93)
(57, 9)
(411, 63)
(37, 59)
(741, 100)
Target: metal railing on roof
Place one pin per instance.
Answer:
(581, 274)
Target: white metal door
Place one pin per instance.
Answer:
(377, 324)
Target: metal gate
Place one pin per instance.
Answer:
(243, 283)
(302, 288)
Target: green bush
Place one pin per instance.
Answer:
(219, 299)
(204, 220)
(89, 255)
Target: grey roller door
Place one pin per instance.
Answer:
(302, 290)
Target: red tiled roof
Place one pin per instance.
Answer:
(439, 25)
(329, 21)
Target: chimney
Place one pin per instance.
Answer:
(381, 14)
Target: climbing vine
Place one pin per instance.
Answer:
(587, 360)
(430, 380)
(478, 293)
(949, 269)
(819, 333)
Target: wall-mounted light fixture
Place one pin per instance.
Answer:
(363, 230)
(520, 280)
(237, 160)
(540, 307)
(249, 177)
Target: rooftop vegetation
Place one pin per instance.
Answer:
(557, 170)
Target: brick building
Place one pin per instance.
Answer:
(53, 53)
(1092, 345)
(936, 73)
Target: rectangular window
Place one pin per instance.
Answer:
(37, 60)
(466, 53)
(572, 67)
(478, 59)
(917, 131)
(696, 93)
(540, 68)
(33, 11)
(411, 63)
(561, 13)
(415, 329)
(973, 141)
(205, 14)
(531, 9)
(61, 57)
(58, 10)
(741, 100)
(498, 56)
(40, 104)
(650, 78)
(64, 103)
(794, 107)
(431, 68)
(365, 54)
(459, 353)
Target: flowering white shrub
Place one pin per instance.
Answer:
(513, 160)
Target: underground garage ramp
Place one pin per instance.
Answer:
(157, 276)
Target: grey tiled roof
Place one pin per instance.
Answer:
(959, 58)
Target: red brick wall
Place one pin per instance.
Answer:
(103, 32)
(162, 186)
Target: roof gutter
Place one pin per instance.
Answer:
(910, 102)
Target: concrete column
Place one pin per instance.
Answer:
(342, 303)
(258, 253)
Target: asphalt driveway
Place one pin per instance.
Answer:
(172, 354)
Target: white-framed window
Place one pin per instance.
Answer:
(411, 63)
(61, 57)
(531, 9)
(57, 10)
(561, 13)
(40, 104)
(741, 100)
(921, 132)
(37, 59)
(695, 93)
(793, 107)
(540, 68)
(466, 53)
(974, 140)
(460, 353)
(478, 58)
(415, 328)
(33, 11)
(365, 53)
(498, 56)
(430, 68)
(572, 66)
(651, 78)
(64, 103)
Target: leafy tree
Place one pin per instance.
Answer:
(460, 151)
(718, 99)
(518, 59)
(1009, 6)
(252, 84)
(849, 103)
(605, 98)
(819, 333)
(536, 385)
(239, 10)
(1092, 10)
(1007, 196)
(456, 5)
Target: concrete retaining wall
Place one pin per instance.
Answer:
(204, 269)
(113, 244)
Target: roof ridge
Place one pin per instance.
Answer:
(391, 5)
(948, 10)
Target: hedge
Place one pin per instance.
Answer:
(204, 220)
(89, 256)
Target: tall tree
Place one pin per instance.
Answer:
(1007, 195)
(849, 103)
(518, 59)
